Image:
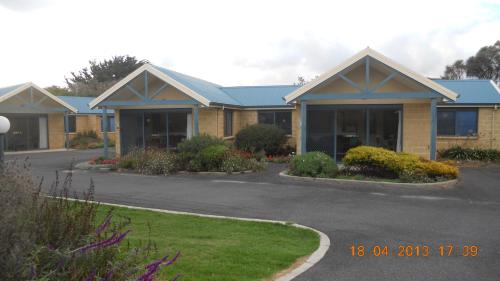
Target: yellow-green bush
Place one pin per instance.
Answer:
(375, 161)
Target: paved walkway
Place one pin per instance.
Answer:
(469, 214)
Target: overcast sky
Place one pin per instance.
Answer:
(237, 42)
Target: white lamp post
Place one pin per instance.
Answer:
(4, 128)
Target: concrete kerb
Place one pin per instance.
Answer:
(442, 184)
(285, 275)
(37, 151)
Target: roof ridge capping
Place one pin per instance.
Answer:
(261, 86)
(368, 52)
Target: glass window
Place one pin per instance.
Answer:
(466, 123)
(228, 123)
(71, 126)
(281, 119)
(177, 128)
(457, 122)
(266, 118)
(111, 124)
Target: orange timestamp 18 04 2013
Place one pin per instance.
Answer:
(409, 250)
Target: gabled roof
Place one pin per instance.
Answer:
(10, 91)
(200, 90)
(82, 104)
(6, 90)
(212, 92)
(377, 56)
(473, 91)
(260, 96)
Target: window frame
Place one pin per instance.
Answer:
(71, 120)
(455, 128)
(228, 122)
(288, 132)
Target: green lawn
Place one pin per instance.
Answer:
(219, 249)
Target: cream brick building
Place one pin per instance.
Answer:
(36, 117)
(367, 100)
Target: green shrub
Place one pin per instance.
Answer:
(235, 163)
(460, 153)
(196, 144)
(313, 164)
(380, 162)
(191, 149)
(150, 161)
(213, 156)
(238, 163)
(261, 137)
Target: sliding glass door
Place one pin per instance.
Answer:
(27, 132)
(351, 130)
(336, 129)
(154, 128)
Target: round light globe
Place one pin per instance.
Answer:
(4, 125)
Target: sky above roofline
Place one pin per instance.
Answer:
(234, 43)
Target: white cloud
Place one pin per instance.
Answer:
(233, 42)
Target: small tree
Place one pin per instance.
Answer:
(99, 76)
(484, 65)
(58, 91)
(456, 71)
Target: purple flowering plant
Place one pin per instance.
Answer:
(53, 238)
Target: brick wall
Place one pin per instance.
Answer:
(247, 118)
(211, 122)
(417, 128)
(56, 130)
(117, 133)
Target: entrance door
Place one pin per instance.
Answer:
(24, 133)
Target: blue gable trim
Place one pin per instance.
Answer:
(150, 102)
(369, 95)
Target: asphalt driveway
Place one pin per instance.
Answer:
(466, 215)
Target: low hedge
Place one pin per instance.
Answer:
(380, 162)
(460, 153)
(313, 164)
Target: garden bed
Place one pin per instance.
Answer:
(470, 157)
(374, 181)
(374, 164)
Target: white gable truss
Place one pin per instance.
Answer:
(366, 89)
(30, 98)
(145, 97)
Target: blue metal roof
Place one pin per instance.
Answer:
(82, 104)
(9, 89)
(260, 96)
(209, 90)
(472, 91)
